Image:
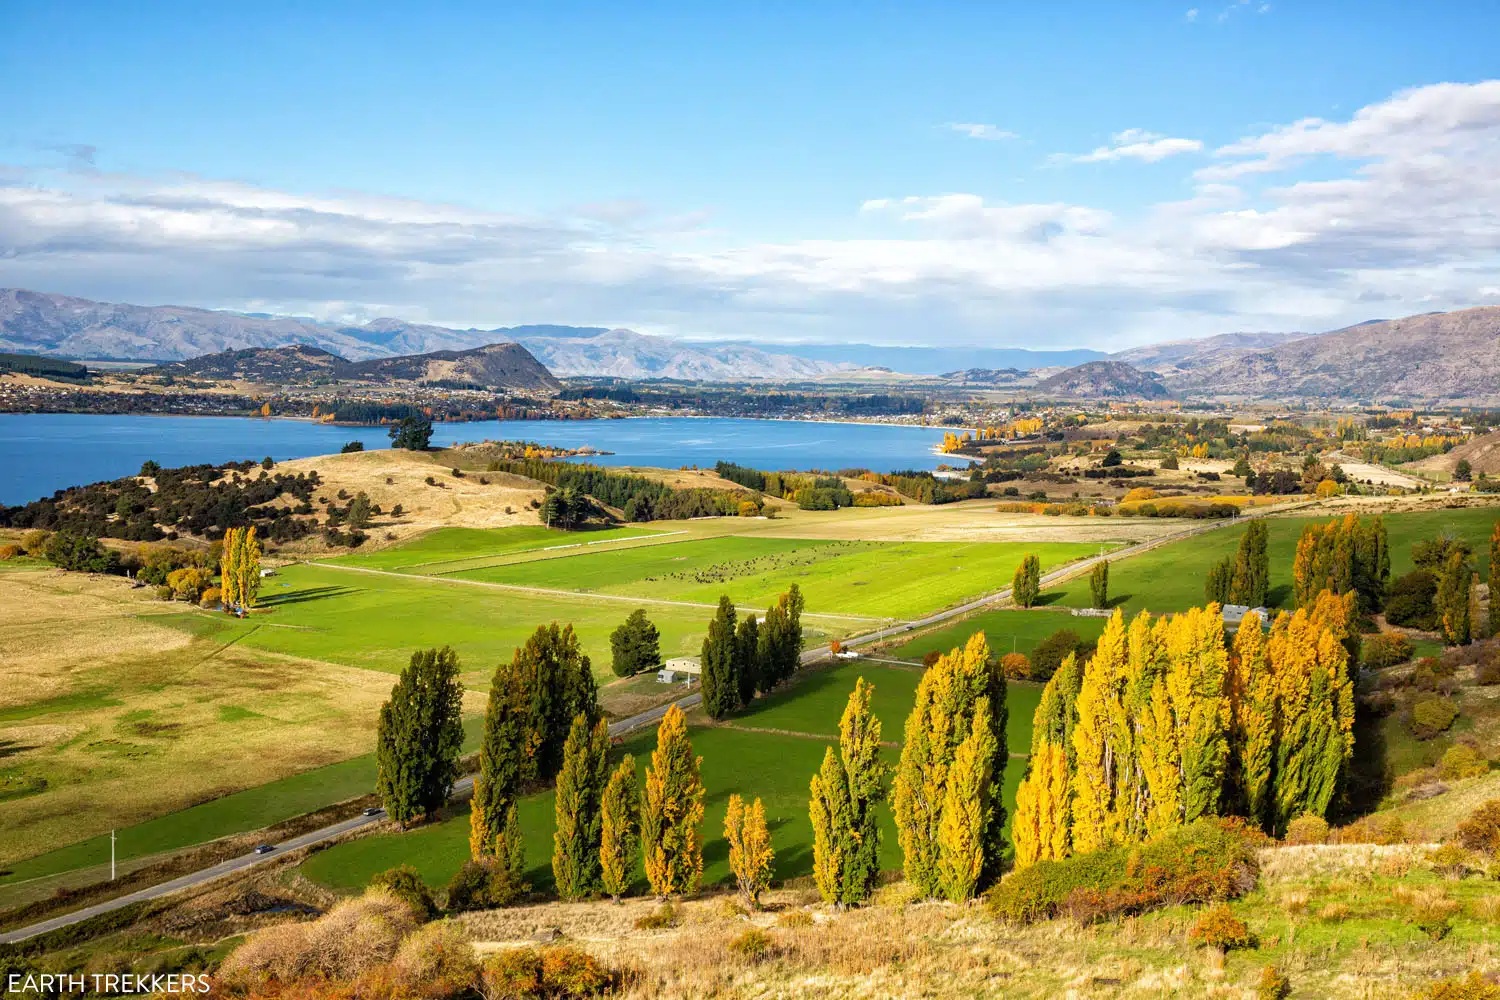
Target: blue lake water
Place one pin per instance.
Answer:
(43, 453)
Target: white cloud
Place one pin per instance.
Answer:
(1135, 144)
(1191, 15)
(993, 133)
(1403, 216)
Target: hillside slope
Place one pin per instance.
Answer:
(494, 366)
(1482, 453)
(1452, 357)
(627, 354)
(1103, 380)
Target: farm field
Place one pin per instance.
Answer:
(776, 768)
(1007, 631)
(116, 709)
(894, 580)
(430, 552)
(1170, 578)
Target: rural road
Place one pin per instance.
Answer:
(465, 785)
(462, 787)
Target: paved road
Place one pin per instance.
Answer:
(465, 785)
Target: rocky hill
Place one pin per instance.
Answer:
(1173, 357)
(1436, 357)
(493, 366)
(988, 376)
(627, 354)
(1103, 380)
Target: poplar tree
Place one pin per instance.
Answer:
(507, 757)
(750, 853)
(1099, 584)
(419, 735)
(1253, 718)
(580, 789)
(239, 569)
(940, 720)
(1095, 818)
(1043, 821)
(620, 833)
(721, 685)
(842, 805)
(1341, 556)
(672, 811)
(1495, 580)
(967, 805)
(1453, 599)
(1026, 584)
(747, 658)
(780, 640)
(1218, 583)
(1315, 714)
(1475, 614)
(1250, 578)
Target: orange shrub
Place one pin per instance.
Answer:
(1016, 666)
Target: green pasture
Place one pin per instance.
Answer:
(252, 809)
(880, 579)
(1007, 631)
(429, 552)
(1171, 578)
(772, 767)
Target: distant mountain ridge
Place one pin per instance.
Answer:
(626, 354)
(493, 366)
(1103, 380)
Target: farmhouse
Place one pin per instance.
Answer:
(679, 669)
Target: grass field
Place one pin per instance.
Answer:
(775, 768)
(1170, 578)
(432, 551)
(883, 579)
(1007, 631)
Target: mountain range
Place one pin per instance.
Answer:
(1452, 357)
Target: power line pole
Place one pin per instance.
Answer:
(111, 855)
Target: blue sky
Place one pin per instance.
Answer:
(1050, 175)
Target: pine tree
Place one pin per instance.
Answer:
(635, 646)
(620, 833)
(556, 681)
(842, 805)
(721, 686)
(418, 736)
(747, 658)
(966, 809)
(1453, 599)
(1099, 584)
(1495, 580)
(938, 723)
(580, 788)
(672, 811)
(750, 853)
(1250, 579)
(1026, 584)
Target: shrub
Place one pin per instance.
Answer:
(1387, 649)
(354, 937)
(1273, 984)
(1462, 760)
(35, 542)
(1411, 601)
(352, 446)
(1051, 651)
(1481, 830)
(1431, 674)
(1138, 494)
(438, 958)
(571, 972)
(164, 593)
(1016, 666)
(1307, 829)
(406, 884)
(1218, 927)
(753, 944)
(1472, 987)
(212, 597)
(794, 918)
(931, 657)
(662, 917)
(1431, 716)
(1451, 861)
(1205, 862)
(9, 552)
(515, 972)
(1377, 829)
(480, 885)
(560, 972)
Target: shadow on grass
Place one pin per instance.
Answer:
(305, 594)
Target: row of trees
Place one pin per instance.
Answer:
(1245, 577)
(742, 657)
(1164, 725)
(1342, 556)
(239, 569)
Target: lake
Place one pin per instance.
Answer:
(45, 452)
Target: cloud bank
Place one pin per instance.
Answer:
(1402, 215)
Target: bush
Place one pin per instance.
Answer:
(794, 919)
(35, 542)
(1016, 666)
(515, 972)
(753, 944)
(352, 446)
(561, 972)
(1377, 829)
(438, 959)
(212, 598)
(661, 918)
(1387, 649)
(1481, 831)
(1218, 927)
(1051, 651)
(1451, 861)
(480, 885)
(1411, 601)
(1431, 674)
(931, 657)
(1432, 716)
(9, 552)
(1307, 829)
(406, 884)
(1462, 760)
(569, 972)
(1273, 985)
(354, 937)
(1206, 862)
(1472, 987)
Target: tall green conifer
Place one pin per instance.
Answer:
(580, 790)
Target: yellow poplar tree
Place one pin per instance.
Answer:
(750, 853)
(1252, 706)
(1095, 818)
(1315, 715)
(672, 810)
(966, 809)
(620, 836)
